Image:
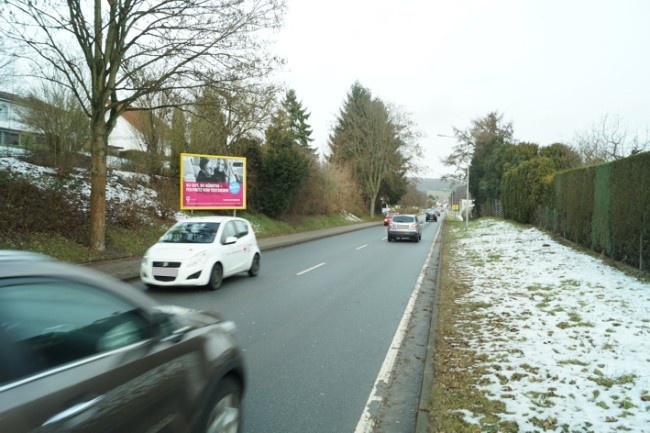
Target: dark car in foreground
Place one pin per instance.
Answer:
(431, 215)
(404, 227)
(83, 352)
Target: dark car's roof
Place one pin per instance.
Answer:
(17, 256)
(22, 264)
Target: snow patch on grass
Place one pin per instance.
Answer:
(567, 337)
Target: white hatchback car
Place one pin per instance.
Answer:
(202, 251)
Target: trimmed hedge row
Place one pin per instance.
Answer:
(605, 208)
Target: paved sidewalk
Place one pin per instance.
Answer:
(128, 268)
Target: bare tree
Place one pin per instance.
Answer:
(6, 69)
(151, 126)
(54, 113)
(112, 53)
(221, 117)
(481, 132)
(609, 139)
(461, 155)
(247, 111)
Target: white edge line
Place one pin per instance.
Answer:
(366, 423)
(362, 247)
(310, 269)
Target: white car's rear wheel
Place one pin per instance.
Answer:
(255, 266)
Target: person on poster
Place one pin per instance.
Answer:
(219, 174)
(203, 175)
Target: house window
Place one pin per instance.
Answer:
(4, 110)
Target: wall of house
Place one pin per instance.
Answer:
(10, 128)
(123, 137)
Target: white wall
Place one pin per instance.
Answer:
(124, 137)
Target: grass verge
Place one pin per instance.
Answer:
(134, 241)
(455, 364)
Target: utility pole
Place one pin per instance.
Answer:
(467, 197)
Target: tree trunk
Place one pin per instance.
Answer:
(373, 201)
(99, 145)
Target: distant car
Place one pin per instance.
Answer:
(404, 227)
(387, 218)
(431, 215)
(83, 352)
(202, 251)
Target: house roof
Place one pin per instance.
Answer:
(10, 97)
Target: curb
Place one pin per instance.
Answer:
(424, 407)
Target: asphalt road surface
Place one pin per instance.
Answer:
(316, 326)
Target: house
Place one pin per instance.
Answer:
(10, 127)
(127, 134)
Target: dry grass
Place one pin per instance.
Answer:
(455, 370)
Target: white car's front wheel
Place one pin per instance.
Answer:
(216, 277)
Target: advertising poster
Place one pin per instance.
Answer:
(213, 182)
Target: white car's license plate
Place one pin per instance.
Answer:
(165, 272)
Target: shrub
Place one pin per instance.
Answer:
(526, 187)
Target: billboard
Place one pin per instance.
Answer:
(212, 182)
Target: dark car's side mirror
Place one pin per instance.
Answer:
(166, 327)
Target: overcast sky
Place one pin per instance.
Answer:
(551, 67)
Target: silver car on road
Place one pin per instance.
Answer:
(404, 227)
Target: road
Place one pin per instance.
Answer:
(316, 326)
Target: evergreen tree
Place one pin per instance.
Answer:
(518, 154)
(298, 117)
(369, 141)
(480, 154)
(284, 168)
(251, 149)
(563, 156)
(347, 131)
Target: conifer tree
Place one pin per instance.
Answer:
(370, 140)
(284, 168)
(298, 117)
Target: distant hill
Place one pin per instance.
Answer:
(427, 184)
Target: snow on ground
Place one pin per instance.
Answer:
(568, 337)
(122, 186)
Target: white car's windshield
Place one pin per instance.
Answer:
(192, 233)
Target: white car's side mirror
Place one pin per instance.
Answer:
(230, 240)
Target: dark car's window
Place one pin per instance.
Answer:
(191, 232)
(45, 323)
(403, 219)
